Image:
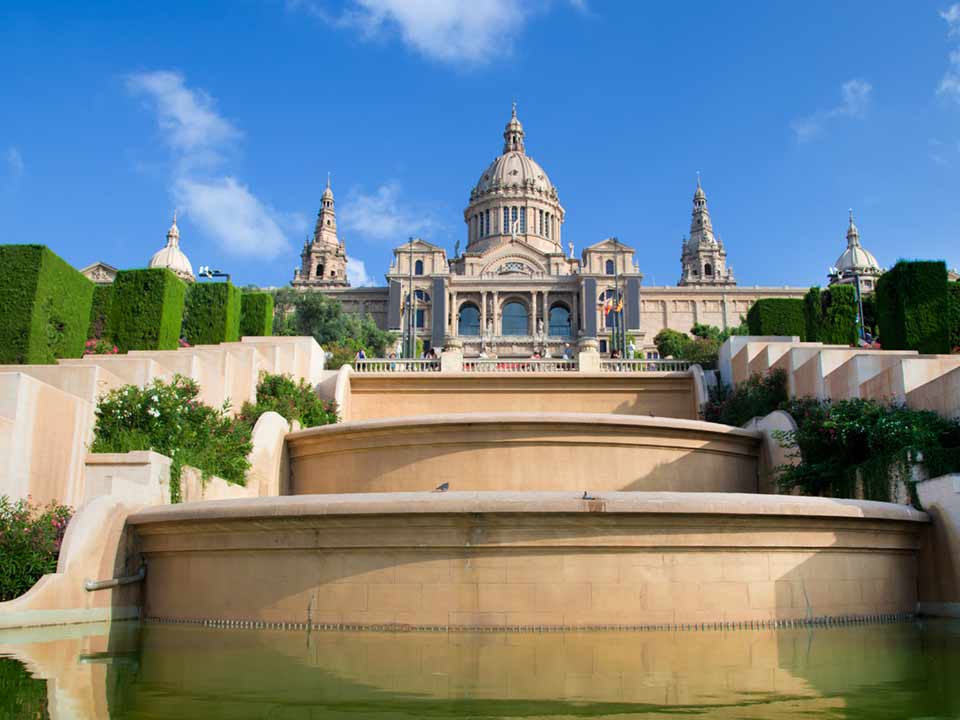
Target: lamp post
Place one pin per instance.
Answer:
(209, 273)
(411, 324)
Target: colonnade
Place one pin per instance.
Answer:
(491, 302)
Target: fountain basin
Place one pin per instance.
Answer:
(523, 452)
(527, 560)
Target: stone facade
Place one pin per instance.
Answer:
(516, 290)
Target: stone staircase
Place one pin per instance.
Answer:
(47, 412)
(930, 382)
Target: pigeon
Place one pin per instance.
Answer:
(442, 487)
(587, 496)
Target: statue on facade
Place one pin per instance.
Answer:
(540, 326)
(570, 245)
(456, 249)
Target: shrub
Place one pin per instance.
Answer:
(913, 309)
(813, 313)
(869, 303)
(168, 418)
(838, 325)
(256, 314)
(147, 309)
(21, 694)
(293, 400)
(46, 306)
(954, 294)
(671, 343)
(758, 396)
(212, 313)
(777, 316)
(841, 443)
(30, 538)
(100, 309)
(323, 318)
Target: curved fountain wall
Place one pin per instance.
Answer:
(527, 560)
(575, 452)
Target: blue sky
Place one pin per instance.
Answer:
(114, 114)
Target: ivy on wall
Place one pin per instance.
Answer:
(46, 306)
(212, 313)
(147, 309)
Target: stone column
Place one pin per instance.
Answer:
(454, 330)
(483, 312)
(546, 313)
(533, 312)
(496, 313)
(575, 319)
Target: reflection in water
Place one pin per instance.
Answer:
(164, 671)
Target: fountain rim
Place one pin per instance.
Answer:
(634, 503)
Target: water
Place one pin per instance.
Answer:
(904, 670)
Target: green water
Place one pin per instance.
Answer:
(903, 670)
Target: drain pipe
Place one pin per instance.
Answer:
(91, 585)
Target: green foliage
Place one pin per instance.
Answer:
(147, 309)
(869, 303)
(30, 538)
(168, 418)
(813, 313)
(256, 314)
(913, 307)
(841, 443)
(954, 294)
(703, 348)
(323, 318)
(293, 400)
(777, 316)
(212, 313)
(838, 325)
(46, 306)
(22, 696)
(760, 395)
(671, 343)
(100, 309)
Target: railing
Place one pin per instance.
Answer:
(644, 365)
(500, 365)
(385, 365)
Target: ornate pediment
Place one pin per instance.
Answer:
(100, 273)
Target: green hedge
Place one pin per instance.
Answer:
(100, 312)
(777, 316)
(46, 306)
(256, 315)
(839, 323)
(813, 313)
(212, 313)
(147, 310)
(954, 295)
(913, 307)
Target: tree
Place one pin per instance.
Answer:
(671, 343)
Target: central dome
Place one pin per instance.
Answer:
(514, 170)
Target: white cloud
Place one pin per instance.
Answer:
(15, 162)
(229, 212)
(950, 82)
(357, 273)
(222, 207)
(381, 215)
(186, 117)
(855, 96)
(455, 31)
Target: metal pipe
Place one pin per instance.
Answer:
(91, 585)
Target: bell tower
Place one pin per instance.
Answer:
(323, 261)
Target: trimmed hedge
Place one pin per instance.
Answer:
(212, 313)
(777, 316)
(813, 313)
(256, 315)
(913, 307)
(46, 306)
(954, 296)
(839, 320)
(147, 310)
(100, 312)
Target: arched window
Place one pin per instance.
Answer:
(609, 267)
(319, 271)
(469, 323)
(505, 230)
(514, 319)
(486, 223)
(559, 321)
(707, 269)
(418, 267)
(523, 220)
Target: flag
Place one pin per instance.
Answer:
(620, 305)
(607, 306)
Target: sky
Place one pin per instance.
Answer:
(113, 115)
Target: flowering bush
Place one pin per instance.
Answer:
(841, 443)
(293, 400)
(758, 396)
(30, 539)
(182, 342)
(167, 417)
(98, 346)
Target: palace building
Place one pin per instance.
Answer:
(516, 288)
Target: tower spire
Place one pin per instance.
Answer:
(853, 234)
(513, 133)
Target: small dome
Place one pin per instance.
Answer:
(171, 256)
(515, 169)
(856, 257)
